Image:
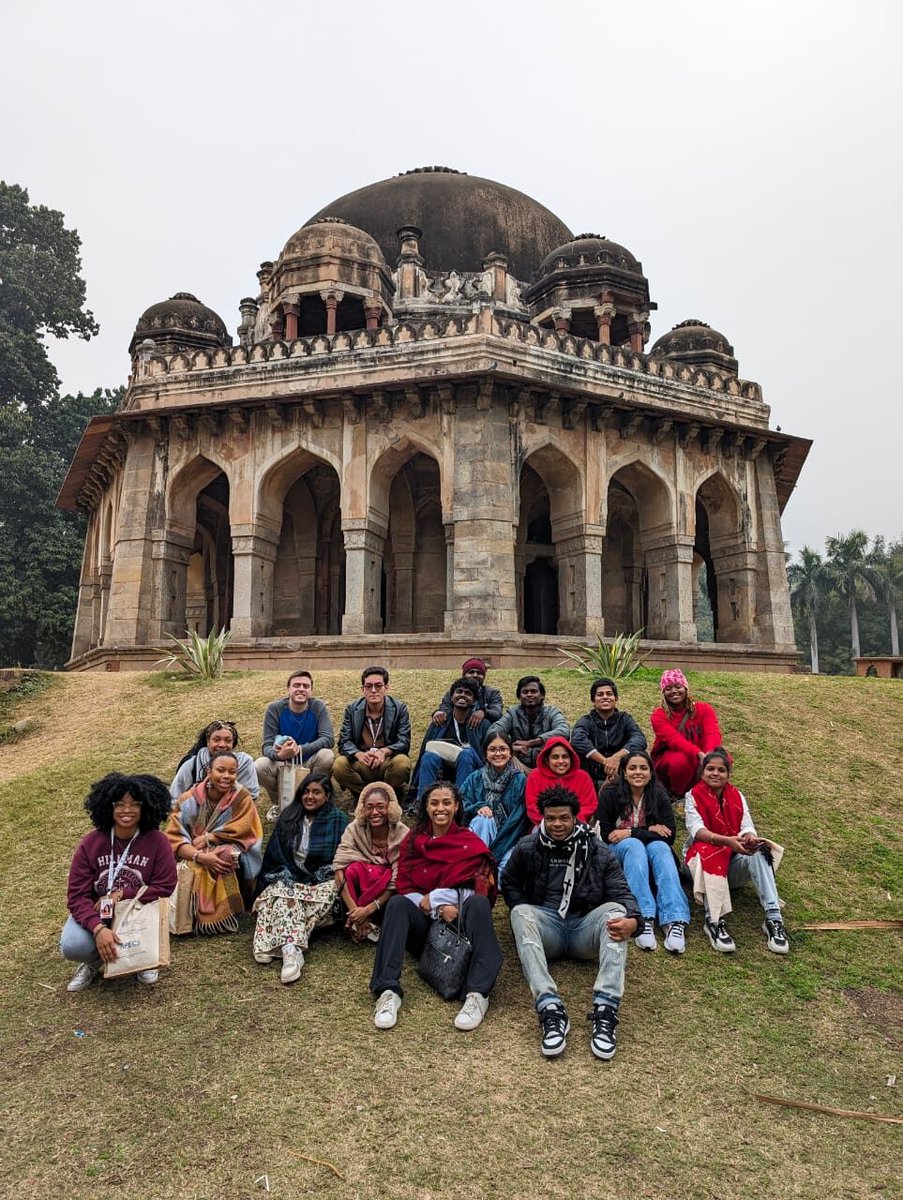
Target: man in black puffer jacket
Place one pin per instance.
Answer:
(605, 735)
(569, 899)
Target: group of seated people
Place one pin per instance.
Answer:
(576, 828)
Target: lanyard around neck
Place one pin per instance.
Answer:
(113, 871)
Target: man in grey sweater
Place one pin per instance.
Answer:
(296, 729)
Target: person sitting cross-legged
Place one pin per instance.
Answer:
(452, 749)
(488, 705)
(637, 821)
(531, 722)
(296, 729)
(375, 738)
(606, 735)
(724, 849)
(569, 899)
(685, 731)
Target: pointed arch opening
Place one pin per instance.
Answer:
(638, 520)
(196, 555)
(550, 515)
(724, 573)
(413, 593)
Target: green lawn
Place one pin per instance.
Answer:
(220, 1076)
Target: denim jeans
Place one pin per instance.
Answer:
(77, 944)
(755, 869)
(432, 767)
(487, 829)
(541, 934)
(639, 859)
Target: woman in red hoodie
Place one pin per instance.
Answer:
(558, 763)
(685, 731)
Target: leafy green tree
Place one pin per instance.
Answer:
(809, 585)
(41, 294)
(852, 576)
(888, 563)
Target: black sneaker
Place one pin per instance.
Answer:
(554, 1027)
(776, 936)
(716, 932)
(604, 1037)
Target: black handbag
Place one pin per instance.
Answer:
(445, 958)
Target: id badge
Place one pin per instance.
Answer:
(106, 908)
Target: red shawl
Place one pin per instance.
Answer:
(724, 818)
(576, 780)
(456, 859)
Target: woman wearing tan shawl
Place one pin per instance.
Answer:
(215, 831)
(366, 862)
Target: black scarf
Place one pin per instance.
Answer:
(576, 847)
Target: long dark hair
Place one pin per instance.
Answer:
(151, 792)
(423, 821)
(655, 799)
(289, 823)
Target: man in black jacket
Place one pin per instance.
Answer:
(375, 739)
(569, 899)
(605, 735)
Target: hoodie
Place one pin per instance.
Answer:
(575, 780)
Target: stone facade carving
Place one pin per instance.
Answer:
(471, 446)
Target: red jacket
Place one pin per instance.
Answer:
(701, 731)
(576, 780)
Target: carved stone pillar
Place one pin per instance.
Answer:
(291, 312)
(636, 327)
(249, 309)
(254, 549)
(773, 619)
(562, 319)
(410, 262)
(277, 326)
(735, 573)
(364, 548)
(372, 314)
(449, 528)
(669, 567)
(580, 582)
(170, 551)
(131, 601)
(605, 314)
(332, 300)
(497, 264)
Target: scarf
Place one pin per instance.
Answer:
(495, 784)
(576, 847)
(326, 829)
(357, 846)
(233, 821)
(456, 859)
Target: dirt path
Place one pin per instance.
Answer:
(86, 709)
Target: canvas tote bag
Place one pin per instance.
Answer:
(144, 932)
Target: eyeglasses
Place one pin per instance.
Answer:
(373, 687)
(126, 803)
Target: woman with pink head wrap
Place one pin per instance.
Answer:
(685, 730)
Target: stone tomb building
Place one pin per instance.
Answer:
(439, 432)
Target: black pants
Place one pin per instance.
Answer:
(405, 927)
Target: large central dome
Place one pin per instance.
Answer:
(463, 218)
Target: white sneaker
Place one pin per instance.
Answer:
(83, 977)
(261, 957)
(473, 1010)
(292, 962)
(148, 976)
(387, 1006)
(645, 939)
(676, 938)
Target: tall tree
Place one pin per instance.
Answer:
(888, 563)
(809, 584)
(42, 294)
(852, 575)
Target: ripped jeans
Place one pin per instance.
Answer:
(541, 934)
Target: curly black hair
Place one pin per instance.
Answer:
(151, 792)
(422, 820)
(557, 796)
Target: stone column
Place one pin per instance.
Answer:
(580, 582)
(497, 265)
(636, 327)
(669, 566)
(735, 572)
(131, 601)
(773, 620)
(364, 545)
(604, 314)
(254, 547)
(409, 262)
(372, 314)
(277, 328)
(171, 549)
(562, 319)
(248, 308)
(332, 300)
(449, 528)
(291, 312)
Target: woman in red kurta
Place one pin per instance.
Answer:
(685, 731)
(559, 764)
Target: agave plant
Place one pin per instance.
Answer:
(199, 656)
(615, 659)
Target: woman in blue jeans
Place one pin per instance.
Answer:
(636, 821)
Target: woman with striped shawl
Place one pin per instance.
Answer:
(296, 888)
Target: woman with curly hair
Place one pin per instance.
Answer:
(444, 872)
(125, 852)
(636, 821)
(215, 830)
(685, 731)
(296, 888)
(218, 735)
(366, 861)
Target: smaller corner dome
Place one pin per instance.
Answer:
(180, 322)
(692, 335)
(335, 237)
(590, 250)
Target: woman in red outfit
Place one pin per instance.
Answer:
(685, 731)
(559, 763)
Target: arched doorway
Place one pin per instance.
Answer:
(536, 554)
(196, 571)
(639, 561)
(726, 573)
(414, 558)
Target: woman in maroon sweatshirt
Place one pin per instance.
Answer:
(125, 852)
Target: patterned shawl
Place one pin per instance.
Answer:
(234, 821)
(456, 859)
(326, 830)
(357, 846)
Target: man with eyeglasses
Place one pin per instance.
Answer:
(296, 729)
(375, 738)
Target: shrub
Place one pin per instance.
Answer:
(617, 658)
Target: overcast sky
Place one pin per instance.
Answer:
(749, 154)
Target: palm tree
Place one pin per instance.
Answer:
(852, 575)
(809, 585)
(888, 562)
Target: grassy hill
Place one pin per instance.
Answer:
(220, 1076)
